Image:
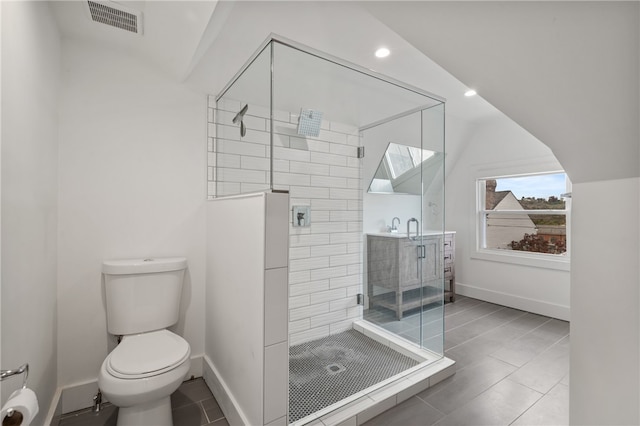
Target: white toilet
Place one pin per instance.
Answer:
(150, 363)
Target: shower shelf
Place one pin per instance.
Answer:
(410, 299)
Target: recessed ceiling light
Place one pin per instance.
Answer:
(383, 52)
(470, 92)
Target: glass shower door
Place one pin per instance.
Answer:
(404, 257)
(295, 119)
(431, 252)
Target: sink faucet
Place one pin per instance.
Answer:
(394, 228)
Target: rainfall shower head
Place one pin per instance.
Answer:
(238, 118)
(309, 122)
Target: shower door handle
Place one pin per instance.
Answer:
(413, 219)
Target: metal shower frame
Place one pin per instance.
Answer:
(329, 58)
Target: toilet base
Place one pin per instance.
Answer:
(154, 413)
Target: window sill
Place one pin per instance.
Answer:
(560, 263)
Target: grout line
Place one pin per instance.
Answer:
(529, 387)
(506, 323)
(517, 367)
(535, 356)
(507, 378)
(474, 319)
(542, 395)
(425, 402)
(551, 346)
(218, 419)
(471, 303)
(206, 416)
(479, 335)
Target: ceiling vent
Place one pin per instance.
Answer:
(115, 15)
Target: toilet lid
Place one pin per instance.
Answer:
(147, 354)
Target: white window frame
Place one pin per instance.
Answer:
(540, 260)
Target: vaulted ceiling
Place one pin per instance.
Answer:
(172, 31)
(567, 72)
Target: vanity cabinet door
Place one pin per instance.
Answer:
(409, 273)
(432, 263)
(382, 254)
(430, 248)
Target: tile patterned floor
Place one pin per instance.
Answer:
(192, 404)
(512, 369)
(361, 361)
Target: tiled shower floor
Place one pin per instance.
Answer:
(325, 371)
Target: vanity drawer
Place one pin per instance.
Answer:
(448, 272)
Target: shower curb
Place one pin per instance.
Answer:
(364, 405)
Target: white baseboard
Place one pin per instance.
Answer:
(518, 302)
(221, 393)
(79, 396)
(55, 410)
(196, 368)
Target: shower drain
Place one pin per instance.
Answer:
(335, 368)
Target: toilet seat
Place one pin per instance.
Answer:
(147, 354)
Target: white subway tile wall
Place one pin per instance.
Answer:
(325, 259)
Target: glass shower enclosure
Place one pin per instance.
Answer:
(361, 156)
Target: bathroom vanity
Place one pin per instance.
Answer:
(397, 268)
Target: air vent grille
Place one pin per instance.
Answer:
(101, 12)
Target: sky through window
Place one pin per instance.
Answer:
(537, 186)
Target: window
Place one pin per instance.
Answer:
(402, 158)
(524, 215)
(399, 171)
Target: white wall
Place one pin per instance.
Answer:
(30, 82)
(132, 183)
(533, 60)
(605, 303)
(500, 144)
(235, 300)
(247, 288)
(1, 400)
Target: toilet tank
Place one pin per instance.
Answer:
(143, 294)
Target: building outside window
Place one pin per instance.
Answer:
(525, 214)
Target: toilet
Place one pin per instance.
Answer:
(150, 363)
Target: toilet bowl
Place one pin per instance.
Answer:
(150, 362)
(140, 375)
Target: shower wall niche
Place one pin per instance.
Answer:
(299, 121)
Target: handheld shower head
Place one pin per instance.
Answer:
(238, 118)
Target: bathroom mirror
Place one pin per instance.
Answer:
(399, 170)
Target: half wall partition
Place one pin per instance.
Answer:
(361, 157)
